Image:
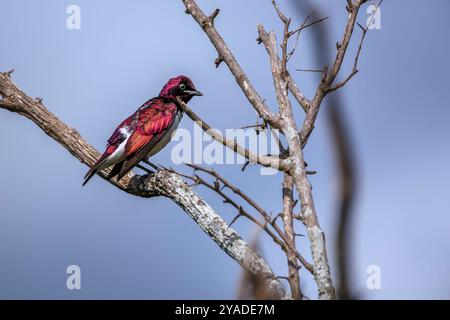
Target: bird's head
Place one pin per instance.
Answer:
(180, 86)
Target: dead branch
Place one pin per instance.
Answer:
(267, 161)
(288, 222)
(328, 77)
(284, 242)
(227, 56)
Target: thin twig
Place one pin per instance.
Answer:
(355, 62)
(267, 161)
(250, 201)
(306, 26)
(227, 56)
(309, 70)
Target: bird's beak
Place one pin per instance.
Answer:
(193, 92)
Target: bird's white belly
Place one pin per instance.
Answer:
(119, 154)
(167, 137)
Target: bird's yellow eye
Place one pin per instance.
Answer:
(182, 87)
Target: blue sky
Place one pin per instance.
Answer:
(129, 247)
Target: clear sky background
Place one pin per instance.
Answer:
(128, 247)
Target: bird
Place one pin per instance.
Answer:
(146, 131)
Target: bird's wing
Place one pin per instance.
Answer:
(152, 124)
(119, 135)
(116, 139)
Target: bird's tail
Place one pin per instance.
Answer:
(93, 170)
(115, 170)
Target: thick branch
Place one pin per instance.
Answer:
(163, 183)
(346, 193)
(285, 243)
(298, 173)
(288, 222)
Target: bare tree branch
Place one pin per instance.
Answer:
(267, 161)
(355, 62)
(304, 26)
(296, 139)
(298, 172)
(328, 77)
(227, 56)
(353, 9)
(285, 243)
(291, 161)
(251, 286)
(163, 183)
(298, 95)
(346, 195)
(288, 222)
